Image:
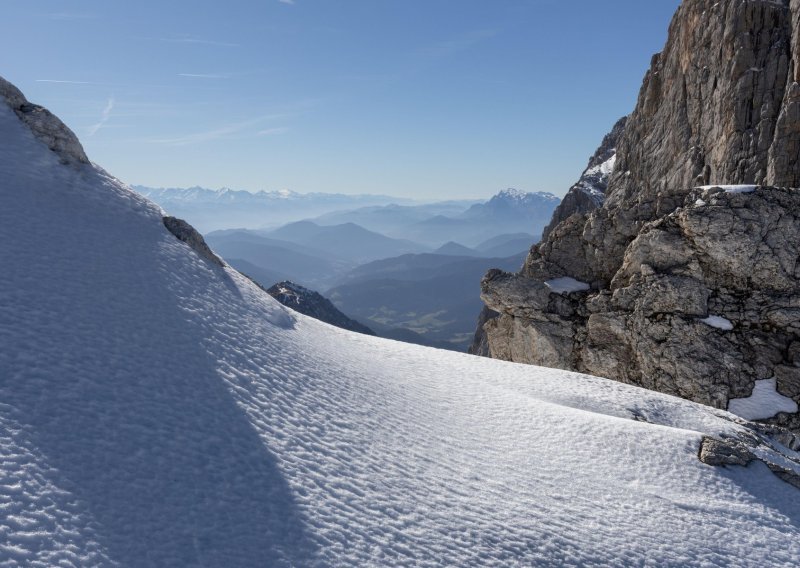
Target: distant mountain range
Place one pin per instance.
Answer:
(271, 260)
(465, 223)
(431, 225)
(347, 241)
(304, 252)
(414, 280)
(392, 217)
(506, 244)
(216, 209)
(497, 247)
(426, 298)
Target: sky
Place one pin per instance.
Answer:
(428, 99)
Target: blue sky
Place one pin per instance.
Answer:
(417, 98)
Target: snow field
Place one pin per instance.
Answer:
(158, 410)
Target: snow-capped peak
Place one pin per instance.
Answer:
(516, 195)
(511, 193)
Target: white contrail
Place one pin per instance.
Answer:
(103, 117)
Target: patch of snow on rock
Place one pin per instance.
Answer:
(606, 168)
(566, 285)
(732, 188)
(765, 402)
(719, 322)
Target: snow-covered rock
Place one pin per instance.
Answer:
(666, 320)
(159, 409)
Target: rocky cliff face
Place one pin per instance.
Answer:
(315, 305)
(688, 290)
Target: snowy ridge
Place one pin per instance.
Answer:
(157, 409)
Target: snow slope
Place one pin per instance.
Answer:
(158, 410)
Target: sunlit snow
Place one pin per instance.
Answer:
(605, 168)
(765, 402)
(158, 410)
(732, 188)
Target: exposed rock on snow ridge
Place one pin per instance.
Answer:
(315, 305)
(670, 249)
(748, 447)
(183, 231)
(44, 125)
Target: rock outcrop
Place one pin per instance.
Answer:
(184, 232)
(762, 443)
(315, 305)
(44, 125)
(675, 283)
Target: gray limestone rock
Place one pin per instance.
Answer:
(724, 452)
(183, 231)
(44, 125)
